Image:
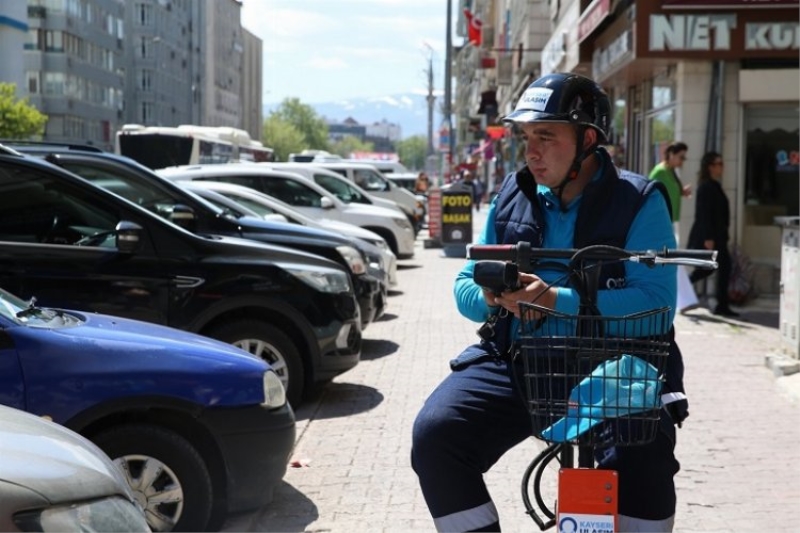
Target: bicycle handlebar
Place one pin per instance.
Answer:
(524, 255)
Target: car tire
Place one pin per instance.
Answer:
(273, 346)
(181, 466)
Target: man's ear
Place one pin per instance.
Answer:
(589, 138)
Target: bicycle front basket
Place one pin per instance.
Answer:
(593, 380)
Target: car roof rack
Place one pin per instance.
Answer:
(13, 143)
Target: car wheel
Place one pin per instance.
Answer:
(273, 346)
(166, 473)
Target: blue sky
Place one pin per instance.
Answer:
(331, 50)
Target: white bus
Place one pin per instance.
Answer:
(160, 147)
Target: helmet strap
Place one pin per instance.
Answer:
(575, 168)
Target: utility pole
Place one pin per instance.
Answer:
(431, 100)
(448, 91)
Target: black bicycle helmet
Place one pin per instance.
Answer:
(564, 97)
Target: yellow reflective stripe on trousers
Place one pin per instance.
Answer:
(468, 520)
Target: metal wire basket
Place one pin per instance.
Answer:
(593, 380)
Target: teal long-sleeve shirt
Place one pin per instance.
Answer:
(645, 287)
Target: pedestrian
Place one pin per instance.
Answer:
(478, 188)
(710, 228)
(476, 413)
(422, 183)
(666, 172)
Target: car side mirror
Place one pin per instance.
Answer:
(276, 217)
(183, 216)
(326, 203)
(129, 236)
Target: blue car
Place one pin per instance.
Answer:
(199, 427)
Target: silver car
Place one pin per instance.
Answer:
(52, 479)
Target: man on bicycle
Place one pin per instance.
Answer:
(568, 195)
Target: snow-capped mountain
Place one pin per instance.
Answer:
(409, 111)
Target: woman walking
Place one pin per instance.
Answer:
(710, 228)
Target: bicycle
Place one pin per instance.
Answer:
(589, 381)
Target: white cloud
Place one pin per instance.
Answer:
(327, 63)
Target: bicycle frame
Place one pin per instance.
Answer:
(585, 495)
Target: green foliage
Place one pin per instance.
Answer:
(18, 119)
(412, 151)
(350, 144)
(283, 137)
(305, 120)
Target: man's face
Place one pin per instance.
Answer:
(549, 150)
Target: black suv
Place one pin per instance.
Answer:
(72, 244)
(137, 183)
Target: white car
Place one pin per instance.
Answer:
(374, 182)
(335, 183)
(52, 479)
(307, 197)
(249, 202)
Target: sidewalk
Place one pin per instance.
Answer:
(738, 450)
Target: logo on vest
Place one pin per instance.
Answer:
(615, 283)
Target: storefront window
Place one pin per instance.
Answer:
(660, 118)
(772, 163)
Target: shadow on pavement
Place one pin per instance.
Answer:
(376, 348)
(386, 317)
(394, 292)
(289, 511)
(747, 320)
(335, 400)
(407, 266)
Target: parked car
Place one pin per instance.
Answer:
(374, 182)
(52, 480)
(76, 245)
(199, 428)
(135, 182)
(244, 201)
(341, 187)
(307, 197)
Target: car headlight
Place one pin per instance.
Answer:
(402, 222)
(274, 393)
(321, 278)
(107, 514)
(353, 259)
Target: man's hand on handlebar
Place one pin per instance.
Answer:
(533, 290)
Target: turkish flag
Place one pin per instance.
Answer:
(474, 26)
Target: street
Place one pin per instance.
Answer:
(739, 453)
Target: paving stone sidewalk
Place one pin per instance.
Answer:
(738, 450)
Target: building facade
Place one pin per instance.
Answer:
(93, 65)
(718, 75)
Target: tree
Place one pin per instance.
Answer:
(350, 144)
(283, 137)
(18, 119)
(305, 120)
(412, 151)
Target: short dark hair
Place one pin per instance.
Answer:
(675, 147)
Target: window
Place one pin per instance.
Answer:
(53, 41)
(33, 81)
(31, 202)
(54, 83)
(144, 14)
(145, 79)
(369, 180)
(292, 192)
(340, 189)
(146, 112)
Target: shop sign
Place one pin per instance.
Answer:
(713, 32)
(592, 16)
(730, 34)
(606, 59)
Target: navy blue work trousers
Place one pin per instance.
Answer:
(475, 415)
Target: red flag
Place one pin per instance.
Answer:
(474, 26)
